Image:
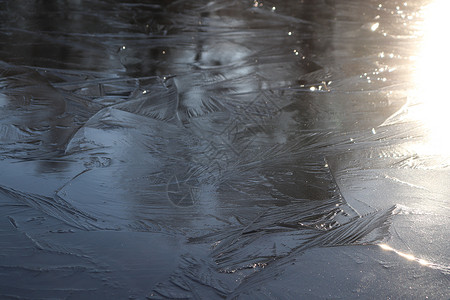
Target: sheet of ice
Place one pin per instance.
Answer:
(234, 149)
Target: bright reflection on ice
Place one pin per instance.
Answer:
(404, 255)
(374, 26)
(430, 103)
(443, 268)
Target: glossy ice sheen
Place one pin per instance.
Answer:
(222, 149)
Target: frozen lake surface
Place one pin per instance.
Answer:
(224, 149)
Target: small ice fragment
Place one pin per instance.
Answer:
(374, 131)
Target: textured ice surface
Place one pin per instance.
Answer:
(240, 149)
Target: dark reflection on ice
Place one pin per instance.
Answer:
(213, 149)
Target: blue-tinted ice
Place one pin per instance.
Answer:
(216, 149)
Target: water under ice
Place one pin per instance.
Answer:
(240, 149)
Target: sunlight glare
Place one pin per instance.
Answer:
(431, 97)
(404, 255)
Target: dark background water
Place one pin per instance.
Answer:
(241, 149)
